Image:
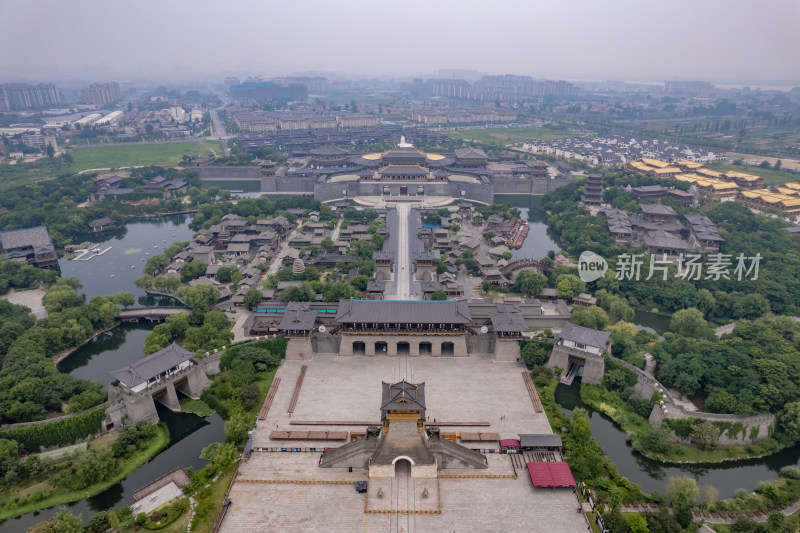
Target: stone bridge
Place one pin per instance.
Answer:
(131, 405)
(154, 314)
(519, 264)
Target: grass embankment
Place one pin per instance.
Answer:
(503, 136)
(771, 177)
(211, 498)
(56, 495)
(610, 404)
(138, 154)
(608, 479)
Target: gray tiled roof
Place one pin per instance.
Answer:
(582, 335)
(297, 318)
(509, 319)
(152, 365)
(403, 312)
(22, 238)
(403, 396)
(657, 209)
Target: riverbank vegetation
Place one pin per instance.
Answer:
(584, 454)
(31, 482)
(31, 387)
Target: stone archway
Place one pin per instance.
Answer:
(448, 349)
(403, 457)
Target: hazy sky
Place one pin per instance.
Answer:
(715, 40)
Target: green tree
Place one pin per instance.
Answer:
(789, 421)
(682, 488)
(534, 353)
(328, 245)
(439, 295)
(689, 323)
(433, 218)
(507, 255)
(236, 428)
(530, 282)
(569, 285)
(225, 273)
(50, 151)
(776, 521)
(192, 270)
(339, 290)
(705, 434)
(94, 465)
(62, 522)
(638, 524)
(225, 455)
(61, 297)
(620, 309)
(301, 293)
(125, 299)
(155, 264)
(250, 394)
(252, 298)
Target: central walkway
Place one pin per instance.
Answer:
(403, 493)
(403, 266)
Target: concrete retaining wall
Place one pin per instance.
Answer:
(765, 423)
(673, 410)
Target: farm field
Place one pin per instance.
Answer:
(139, 154)
(503, 136)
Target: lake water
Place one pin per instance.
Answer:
(540, 238)
(130, 247)
(109, 351)
(654, 476)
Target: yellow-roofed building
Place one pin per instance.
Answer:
(689, 166)
(748, 181)
(708, 173)
(766, 199)
(655, 163)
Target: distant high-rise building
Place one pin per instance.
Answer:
(101, 93)
(503, 88)
(14, 96)
(229, 82)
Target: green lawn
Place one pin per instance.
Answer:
(771, 177)
(503, 136)
(139, 154)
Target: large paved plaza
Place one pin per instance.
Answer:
(284, 491)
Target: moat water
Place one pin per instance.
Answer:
(653, 476)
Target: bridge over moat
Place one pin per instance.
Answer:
(157, 378)
(153, 314)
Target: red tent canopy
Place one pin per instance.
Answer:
(509, 443)
(555, 474)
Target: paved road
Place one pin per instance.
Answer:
(403, 260)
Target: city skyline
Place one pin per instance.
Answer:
(714, 41)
